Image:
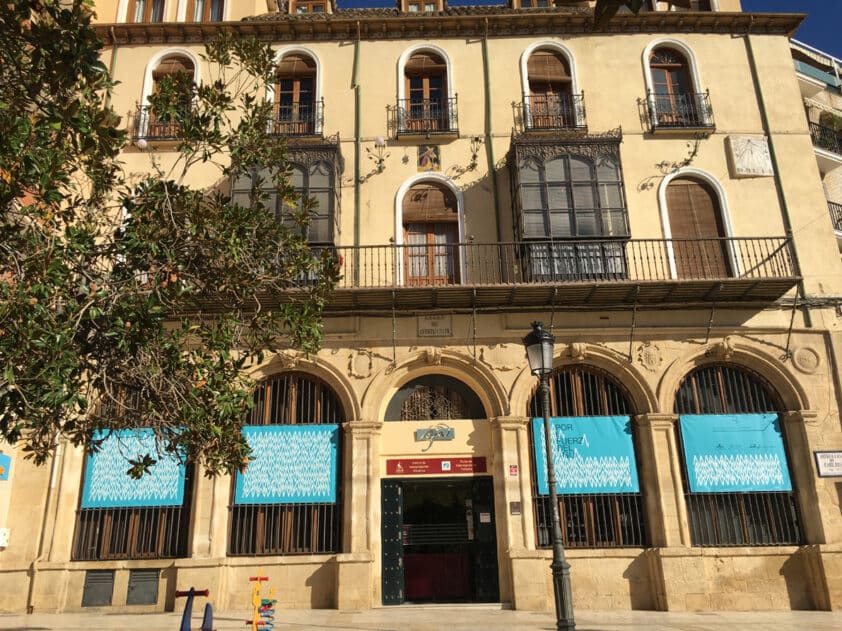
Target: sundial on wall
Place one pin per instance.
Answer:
(749, 156)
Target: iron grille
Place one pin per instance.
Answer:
(734, 519)
(287, 529)
(304, 118)
(546, 112)
(144, 532)
(610, 520)
(688, 110)
(826, 138)
(423, 116)
(836, 215)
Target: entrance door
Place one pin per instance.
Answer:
(439, 541)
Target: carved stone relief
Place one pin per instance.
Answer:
(806, 360)
(650, 356)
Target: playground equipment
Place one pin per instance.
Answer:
(263, 615)
(207, 618)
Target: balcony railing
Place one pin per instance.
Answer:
(147, 124)
(559, 262)
(551, 112)
(304, 118)
(836, 215)
(826, 138)
(688, 110)
(424, 117)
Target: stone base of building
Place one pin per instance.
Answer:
(665, 579)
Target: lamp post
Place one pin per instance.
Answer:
(539, 352)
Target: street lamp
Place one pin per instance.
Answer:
(539, 352)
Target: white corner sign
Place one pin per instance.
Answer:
(749, 156)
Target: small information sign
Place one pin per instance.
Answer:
(433, 466)
(435, 326)
(829, 463)
(513, 470)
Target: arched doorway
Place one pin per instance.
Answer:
(699, 245)
(430, 215)
(438, 529)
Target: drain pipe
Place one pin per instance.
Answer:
(355, 85)
(42, 542)
(113, 64)
(764, 118)
(489, 144)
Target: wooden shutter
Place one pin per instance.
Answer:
(171, 64)
(425, 64)
(296, 67)
(694, 214)
(547, 66)
(429, 202)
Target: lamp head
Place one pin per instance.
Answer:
(539, 350)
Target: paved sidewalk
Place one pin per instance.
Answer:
(435, 618)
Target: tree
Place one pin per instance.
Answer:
(127, 303)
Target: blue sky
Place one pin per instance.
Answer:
(821, 29)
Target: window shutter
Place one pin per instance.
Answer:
(171, 64)
(297, 66)
(425, 64)
(547, 66)
(693, 211)
(428, 202)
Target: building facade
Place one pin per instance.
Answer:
(649, 191)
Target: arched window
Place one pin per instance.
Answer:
(434, 398)
(699, 245)
(123, 518)
(296, 110)
(737, 482)
(550, 103)
(426, 107)
(430, 216)
(600, 503)
(155, 125)
(288, 500)
(674, 100)
(205, 10)
(145, 11)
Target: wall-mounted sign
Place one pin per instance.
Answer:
(829, 463)
(433, 434)
(434, 466)
(5, 465)
(513, 470)
(514, 508)
(435, 326)
(749, 156)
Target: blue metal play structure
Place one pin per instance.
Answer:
(207, 618)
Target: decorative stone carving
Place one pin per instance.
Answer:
(288, 358)
(432, 356)
(360, 363)
(723, 350)
(650, 357)
(577, 351)
(497, 357)
(806, 360)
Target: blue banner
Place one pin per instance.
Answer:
(592, 454)
(728, 453)
(107, 485)
(289, 464)
(5, 465)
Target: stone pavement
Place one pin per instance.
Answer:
(435, 618)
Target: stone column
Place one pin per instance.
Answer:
(804, 481)
(360, 510)
(660, 480)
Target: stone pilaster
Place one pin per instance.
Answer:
(804, 481)
(360, 485)
(660, 479)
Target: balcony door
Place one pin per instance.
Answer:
(699, 247)
(426, 90)
(295, 96)
(550, 91)
(672, 94)
(430, 235)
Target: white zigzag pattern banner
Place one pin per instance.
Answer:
(107, 485)
(738, 471)
(593, 472)
(289, 464)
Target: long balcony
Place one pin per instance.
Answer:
(551, 112)
(424, 117)
(679, 111)
(826, 138)
(305, 118)
(571, 273)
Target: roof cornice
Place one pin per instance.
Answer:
(408, 26)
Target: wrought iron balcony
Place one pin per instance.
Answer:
(826, 138)
(688, 110)
(836, 215)
(551, 112)
(584, 272)
(412, 117)
(305, 118)
(147, 124)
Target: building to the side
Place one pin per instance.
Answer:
(650, 191)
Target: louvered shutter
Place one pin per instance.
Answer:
(694, 214)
